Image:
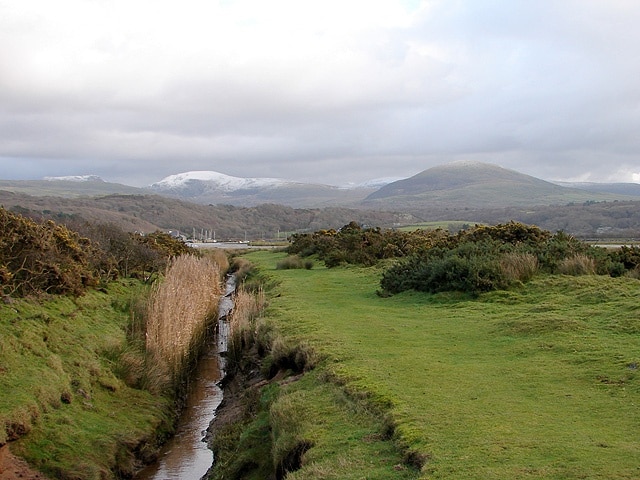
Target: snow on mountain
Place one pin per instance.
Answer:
(219, 180)
(378, 182)
(75, 178)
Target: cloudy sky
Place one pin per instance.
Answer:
(329, 91)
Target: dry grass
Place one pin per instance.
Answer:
(218, 256)
(242, 321)
(577, 265)
(518, 266)
(179, 311)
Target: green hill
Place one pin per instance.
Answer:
(478, 185)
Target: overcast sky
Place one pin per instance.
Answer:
(330, 91)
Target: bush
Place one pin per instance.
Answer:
(290, 262)
(43, 257)
(454, 270)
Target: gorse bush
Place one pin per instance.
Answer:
(43, 257)
(353, 244)
(50, 258)
(479, 259)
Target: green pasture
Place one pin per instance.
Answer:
(540, 382)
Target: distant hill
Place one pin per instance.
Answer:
(147, 213)
(208, 187)
(631, 189)
(70, 187)
(455, 185)
(478, 185)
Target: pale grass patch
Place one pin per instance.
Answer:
(518, 266)
(242, 321)
(179, 310)
(578, 265)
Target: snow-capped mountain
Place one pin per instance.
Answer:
(75, 178)
(378, 182)
(220, 181)
(211, 187)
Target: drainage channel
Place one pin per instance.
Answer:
(186, 455)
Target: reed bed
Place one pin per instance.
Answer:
(180, 309)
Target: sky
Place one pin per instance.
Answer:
(331, 91)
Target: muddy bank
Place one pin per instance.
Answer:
(241, 397)
(14, 468)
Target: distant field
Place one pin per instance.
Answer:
(539, 383)
(452, 225)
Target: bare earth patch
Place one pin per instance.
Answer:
(14, 468)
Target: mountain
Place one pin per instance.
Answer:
(208, 187)
(470, 185)
(476, 185)
(75, 178)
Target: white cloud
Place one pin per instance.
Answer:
(549, 88)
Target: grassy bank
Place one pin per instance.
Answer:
(91, 385)
(64, 399)
(537, 382)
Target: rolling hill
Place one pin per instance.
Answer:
(147, 213)
(69, 187)
(477, 185)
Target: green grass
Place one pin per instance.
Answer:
(60, 393)
(540, 382)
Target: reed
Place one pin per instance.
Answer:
(578, 265)
(180, 309)
(244, 324)
(518, 267)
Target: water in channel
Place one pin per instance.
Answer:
(186, 456)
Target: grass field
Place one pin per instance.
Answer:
(540, 382)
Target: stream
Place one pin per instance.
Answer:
(186, 455)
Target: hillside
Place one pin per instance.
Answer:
(478, 185)
(147, 213)
(632, 189)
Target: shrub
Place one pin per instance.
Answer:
(629, 256)
(290, 262)
(43, 257)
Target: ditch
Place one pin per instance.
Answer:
(187, 456)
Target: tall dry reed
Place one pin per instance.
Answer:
(577, 265)
(243, 321)
(518, 267)
(179, 310)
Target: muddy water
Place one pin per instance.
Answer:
(186, 456)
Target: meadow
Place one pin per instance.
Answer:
(537, 382)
